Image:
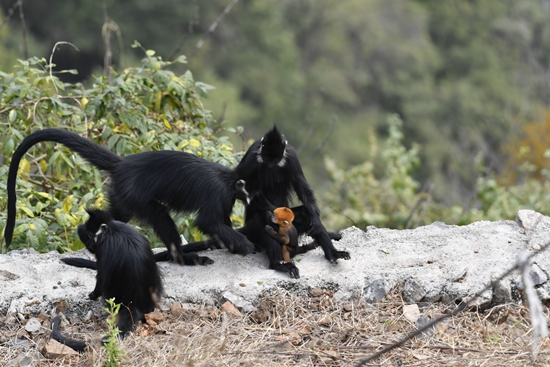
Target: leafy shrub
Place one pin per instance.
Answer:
(376, 194)
(383, 192)
(140, 109)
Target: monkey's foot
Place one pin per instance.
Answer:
(335, 236)
(93, 296)
(340, 255)
(243, 249)
(194, 259)
(286, 267)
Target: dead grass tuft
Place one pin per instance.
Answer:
(290, 330)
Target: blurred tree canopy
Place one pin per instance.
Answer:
(465, 76)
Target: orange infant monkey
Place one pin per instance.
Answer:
(287, 235)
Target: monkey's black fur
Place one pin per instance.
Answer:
(148, 185)
(78, 345)
(271, 167)
(126, 270)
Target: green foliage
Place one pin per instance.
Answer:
(501, 201)
(114, 353)
(464, 74)
(382, 190)
(382, 194)
(142, 108)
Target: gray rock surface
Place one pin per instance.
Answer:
(432, 263)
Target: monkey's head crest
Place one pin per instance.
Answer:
(282, 216)
(273, 148)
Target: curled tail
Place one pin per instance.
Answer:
(94, 153)
(78, 345)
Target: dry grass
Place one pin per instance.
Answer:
(288, 330)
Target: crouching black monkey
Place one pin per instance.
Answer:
(147, 186)
(126, 271)
(271, 167)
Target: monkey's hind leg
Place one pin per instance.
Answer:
(166, 230)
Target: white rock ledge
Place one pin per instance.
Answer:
(434, 263)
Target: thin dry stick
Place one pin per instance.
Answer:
(9, 14)
(24, 28)
(212, 28)
(106, 33)
(307, 136)
(457, 310)
(190, 30)
(324, 142)
(108, 26)
(51, 58)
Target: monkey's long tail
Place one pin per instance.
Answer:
(80, 263)
(94, 153)
(78, 345)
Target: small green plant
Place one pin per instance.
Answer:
(114, 353)
(494, 339)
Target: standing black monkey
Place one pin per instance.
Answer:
(126, 271)
(271, 167)
(148, 185)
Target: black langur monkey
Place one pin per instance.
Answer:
(271, 166)
(147, 186)
(126, 271)
(242, 195)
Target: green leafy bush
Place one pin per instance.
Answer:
(383, 192)
(140, 109)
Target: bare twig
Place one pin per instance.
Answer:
(106, 34)
(325, 204)
(9, 14)
(108, 26)
(51, 58)
(212, 28)
(24, 29)
(309, 132)
(190, 30)
(423, 198)
(324, 142)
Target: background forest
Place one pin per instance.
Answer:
(403, 112)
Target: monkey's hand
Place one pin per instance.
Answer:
(270, 230)
(287, 267)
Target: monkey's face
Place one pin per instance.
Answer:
(242, 194)
(87, 237)
(272, 151)
(283, 216)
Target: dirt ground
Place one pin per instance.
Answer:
(291, 330)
